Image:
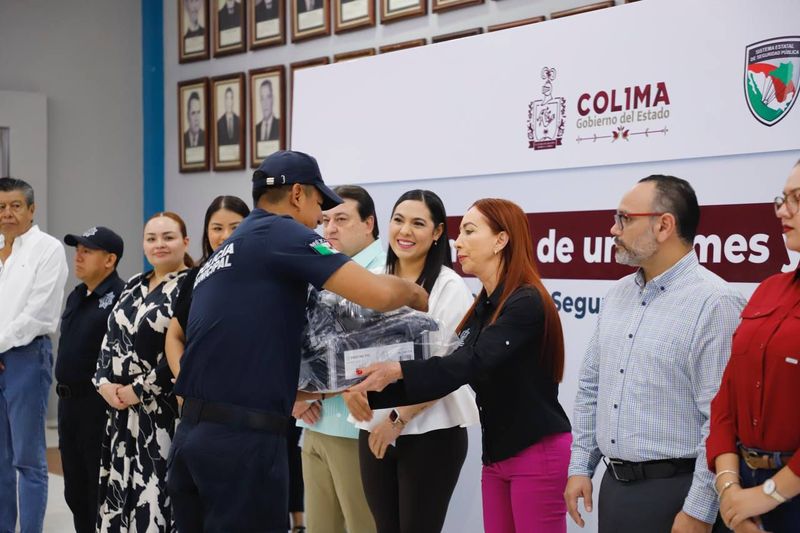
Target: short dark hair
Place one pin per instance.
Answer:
(677, 197)
(366, 206)
(229, 90)
(275, 193)
(193, 96)
(14, 184)
(265, 82)
(231, 203)
(439, 253)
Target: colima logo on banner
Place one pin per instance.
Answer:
(740, 243)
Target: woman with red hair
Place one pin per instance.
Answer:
(512, 354)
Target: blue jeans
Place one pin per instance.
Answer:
(24, 386)
(785, 518)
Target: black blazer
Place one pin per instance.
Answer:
(226, 20)
(274, 133)
(517, 400)
(301, 6)
(266, 13)
(187, 138)
(222, 131)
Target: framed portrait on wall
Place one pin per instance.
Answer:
(227, 112)
(402, 46)
(353, 14)
(310, 18)
(355, 54)
(192, 30)
(443, 5)
(393, 10)
(582, 9)
(515, 23)
(267, 27)
(456, 35)
(193, 140)
(267, 116)
(229, 26)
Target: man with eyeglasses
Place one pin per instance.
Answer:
(33, 271)
(652, 367)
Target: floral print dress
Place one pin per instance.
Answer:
(133, 470)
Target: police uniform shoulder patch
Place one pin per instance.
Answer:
(106, 300)
(323, 247)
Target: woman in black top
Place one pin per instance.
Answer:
(512, 354)
(223, 216)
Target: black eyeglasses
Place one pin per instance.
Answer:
(620, 218)
(790, 199)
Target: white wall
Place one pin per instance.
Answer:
(25, 116)
(85, 58)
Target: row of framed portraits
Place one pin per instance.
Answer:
(237, 25)
(213, 118)
(213, 123)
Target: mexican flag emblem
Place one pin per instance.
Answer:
(323, 247)
(772, 78)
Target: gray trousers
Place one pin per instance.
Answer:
(645, 506)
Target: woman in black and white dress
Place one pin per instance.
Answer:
(134, 379)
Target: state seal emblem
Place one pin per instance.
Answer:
(546, 116)
(771, 78)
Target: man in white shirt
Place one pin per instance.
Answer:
(33, 271)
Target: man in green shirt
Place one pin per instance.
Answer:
(334, 496)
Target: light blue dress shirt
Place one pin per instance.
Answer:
(652, 367)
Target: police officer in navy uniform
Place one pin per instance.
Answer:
(81, 411)
(228, 464)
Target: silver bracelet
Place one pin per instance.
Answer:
(721, 472)
(726, 486)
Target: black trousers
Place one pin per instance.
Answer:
(409, 490)
(647, 505)
(295, 467)
(81, 424)
(223, 479)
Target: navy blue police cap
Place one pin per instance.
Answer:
(286, 167)
(98, 238)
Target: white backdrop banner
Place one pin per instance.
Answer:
(563, 118)
(656, 80)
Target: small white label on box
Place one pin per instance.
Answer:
(363, 357)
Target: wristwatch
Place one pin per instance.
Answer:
(771, 490)
(394, 418)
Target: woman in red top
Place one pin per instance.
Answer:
(755, 417)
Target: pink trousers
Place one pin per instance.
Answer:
(525, 493)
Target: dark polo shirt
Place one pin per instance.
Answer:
(83, 326)
(248, 312)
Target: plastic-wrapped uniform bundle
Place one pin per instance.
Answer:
(341, 337)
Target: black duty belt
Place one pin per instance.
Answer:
(627, 471)
(195, 410)
(75, 391)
